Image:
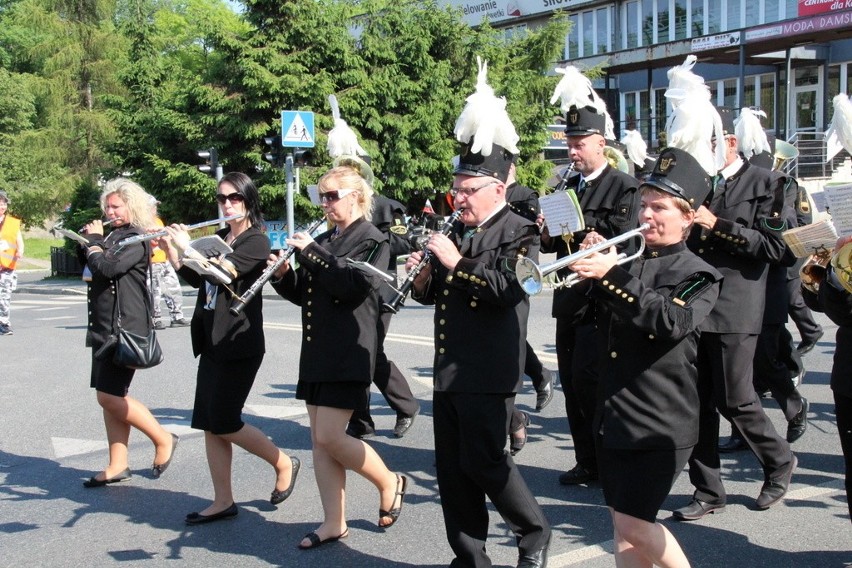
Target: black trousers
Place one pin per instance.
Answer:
(533, 368)
(799, 312)
(725, 362)
(471, 430)
(776, 362)
(577, 358)
(391, 383)
(843, 412)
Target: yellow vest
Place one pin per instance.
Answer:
(9, 242)
(158, 254)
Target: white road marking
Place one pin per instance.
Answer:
(284, 410)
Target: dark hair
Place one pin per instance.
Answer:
(245, 187)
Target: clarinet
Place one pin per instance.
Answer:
(405, 288)
(240, 302)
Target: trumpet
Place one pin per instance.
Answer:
(531, 276)
(239, 303)
(403, 291)
(151, 236)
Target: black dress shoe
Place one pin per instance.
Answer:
(518, 438)
(403, 423)
(199, 519)
(158, 470)
(280, 496)
(544, 394)
(95, 482)
(577, 476)
(360, 433)
(809, 343)
(797, 426)
(536, 559)
(697, 509)
(734, 444)
(773, 490)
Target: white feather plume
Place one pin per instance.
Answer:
(637, 149)
(841, 122)
(342, 140)
(575, 89)
(484, 118)
(751, 138)
(694, 121)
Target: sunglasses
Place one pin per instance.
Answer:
(332, 196)
(232, 197)
(468, 191)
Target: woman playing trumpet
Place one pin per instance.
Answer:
(121, 274)
(340, 311)
(230, 348)
(646, 422)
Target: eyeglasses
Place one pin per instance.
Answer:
(232, 197)
(332, 196)
(468, 191)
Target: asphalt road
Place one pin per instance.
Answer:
(52, 438)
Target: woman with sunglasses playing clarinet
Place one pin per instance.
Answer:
(340, 311)
(230, 348)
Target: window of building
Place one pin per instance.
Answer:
(772, 10)
(730, 97)
(697, 18)
(630, 33)
(681, 17)
(572, 43)
(648, 24)
(752, 13)
(603, 29)
(765, 88)
(732, 20)
(587, 20)
(792, 9)
(663, 22)
(714, 17)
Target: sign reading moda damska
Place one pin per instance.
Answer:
(475, 13)
(789, 28)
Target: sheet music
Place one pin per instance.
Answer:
(838, 197)
(562, 213)
(211, 246)
(804, 241)
(74, 236)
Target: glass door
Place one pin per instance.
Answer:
(807, 100)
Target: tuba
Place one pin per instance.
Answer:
(812, 272)
(783, 151)
(616, 159)
(841, 262)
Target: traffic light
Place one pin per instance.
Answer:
(211, 159)
(302, 157)
(273, 154)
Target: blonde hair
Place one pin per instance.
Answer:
(349, 177)
(682, 204)
(137, 200)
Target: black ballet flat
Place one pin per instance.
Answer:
(199, 519)
(401, 488)
(281, 496)
(95, 482)
(158, 470)
(316, 542)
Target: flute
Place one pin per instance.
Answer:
(151, 236)
(239, 303)
(403, 291)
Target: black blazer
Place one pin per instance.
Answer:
(216, 332)
(648, 317)
(340, 304)
(742, 244)
(481, 310)
(836, 302)
(523, 201)
(129, 266)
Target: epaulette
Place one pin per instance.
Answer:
(691, 288)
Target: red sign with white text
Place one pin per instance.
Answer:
(811, 7)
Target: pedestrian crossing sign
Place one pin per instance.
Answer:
(297, 129)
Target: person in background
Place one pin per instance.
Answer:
(229, 348)
(11, 251)
(164, 282)
(340, 339)
(119, 274)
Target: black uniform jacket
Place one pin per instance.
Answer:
(389, 217)
(777, 295)
(481, 310)
(648, 317)
(744, 240)
(523, 201)
(610, 206)
(219, 334)
(129, 266)
(836, 302)
(340, 304)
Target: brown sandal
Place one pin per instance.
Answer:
(401, 488)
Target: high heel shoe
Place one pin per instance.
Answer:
(158, 470)
(95, 482)
(401, 488)
(280, 496)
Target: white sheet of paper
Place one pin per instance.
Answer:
(804, 241)
(561, 213)
(72, 235)
(838, 197)
(211, 246)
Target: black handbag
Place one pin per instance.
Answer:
(132, 350)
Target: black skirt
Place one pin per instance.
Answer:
(637, 482)
(221, 390)
(110, 378)
(348, 395)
